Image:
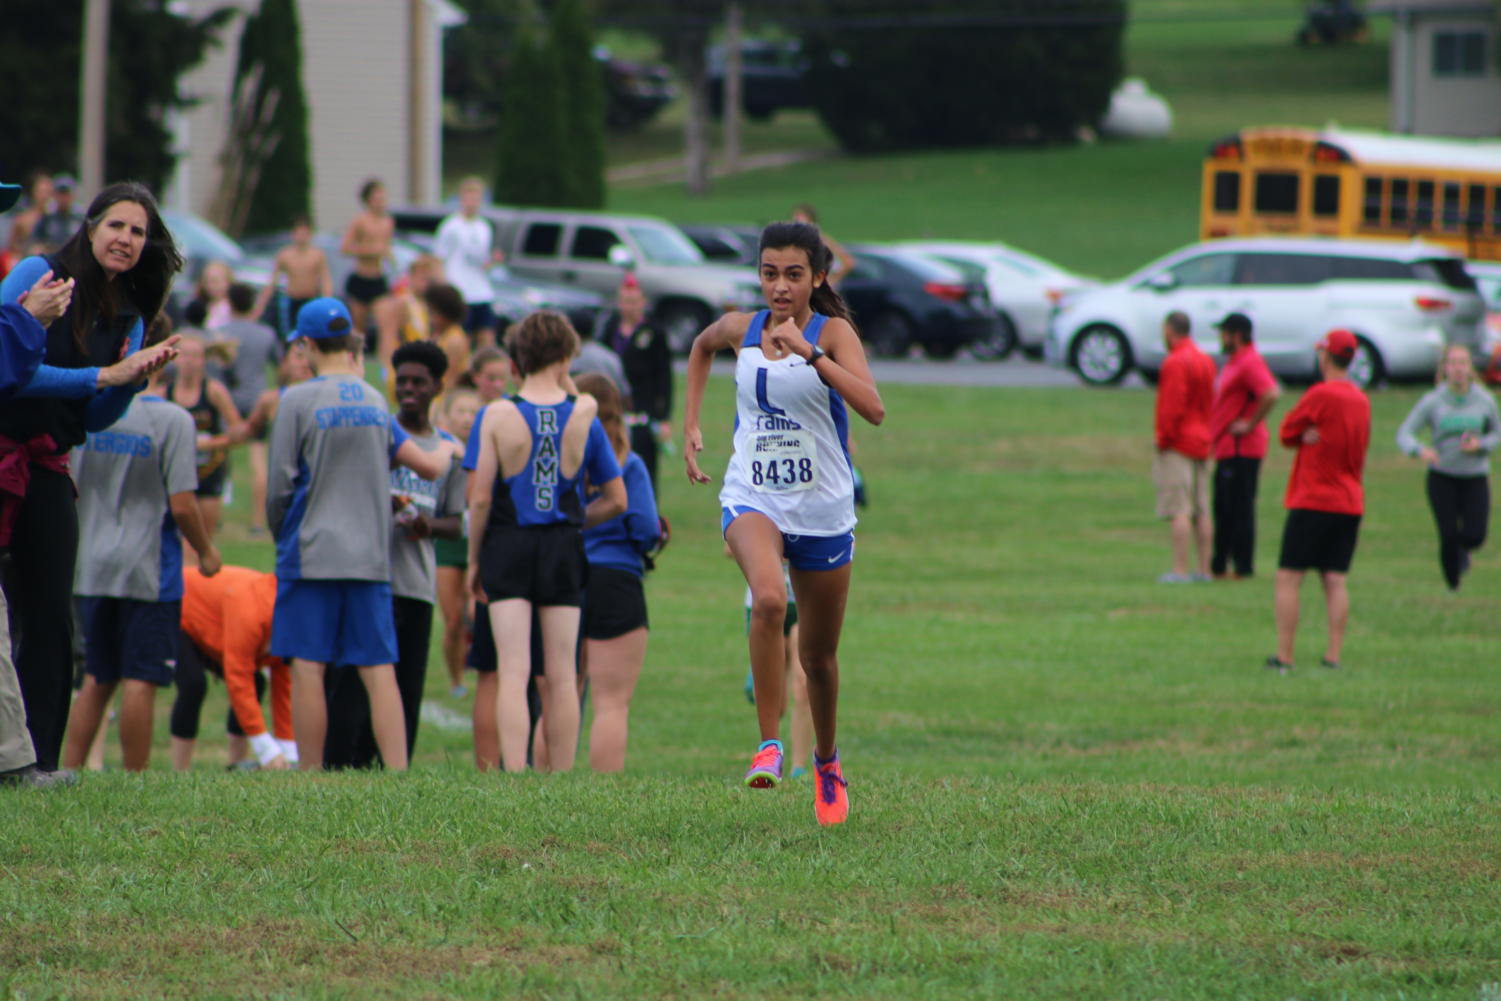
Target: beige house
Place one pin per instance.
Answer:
(1445, 80)
(372, 71)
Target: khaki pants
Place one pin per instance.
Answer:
(15, 740)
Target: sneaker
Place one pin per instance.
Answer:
(1175, 578)
(1274, 663)
(32, 777)
(458, 691)
(750, 687)
(831, 800)
(798, 773)
(766, 767)
(1333, 665)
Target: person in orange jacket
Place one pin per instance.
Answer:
(226, 629)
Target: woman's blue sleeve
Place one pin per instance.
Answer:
(64, 383)
(109, 405)
(22, 277)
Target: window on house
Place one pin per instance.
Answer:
(1459, 53)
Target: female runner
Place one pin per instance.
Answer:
(789, 489)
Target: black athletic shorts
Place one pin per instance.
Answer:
(614, 603)
(1318, 540)
(542, 563)
(365, 289)
(212, 485)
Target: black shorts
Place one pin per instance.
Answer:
(478, 316)
(287, 316)
(130, 640)
(364, 289)
(212, 485)
(1318, 540)
(542, 563)
(614, 604)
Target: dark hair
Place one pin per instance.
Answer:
(1177, 322)
(301, 219)
(447, 302)
(1237, 323)
(241, 297)
(195, 313)
(339, 342)
(807, 238)
(423, 353)
(544, 338)
(144, 287)
(160, 330)
(611, 409)
(368, 187)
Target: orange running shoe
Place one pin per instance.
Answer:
(766, 767)
(831, 799)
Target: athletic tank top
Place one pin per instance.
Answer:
(207, 421)
(539, 494)
(791, 460)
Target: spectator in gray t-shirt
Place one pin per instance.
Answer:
(135, 491)
(424, 509)
(258, 349)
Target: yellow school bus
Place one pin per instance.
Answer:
(1345, 183)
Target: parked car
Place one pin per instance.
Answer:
(1403, 301)
(634, 92)
(516, 296)
(1487, 275)
(728, 244)
(1024, 289)
(902, 299)
(773, 76)
(594, 250)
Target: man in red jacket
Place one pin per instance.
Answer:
(1330, 428)
(1180, 469)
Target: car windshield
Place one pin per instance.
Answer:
(1449, 271)
(661, 245)
(199, 239)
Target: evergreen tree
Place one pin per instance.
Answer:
(268, 155)
(529, 159)
(582, 152)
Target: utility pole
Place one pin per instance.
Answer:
(731, 94)
(95, 71)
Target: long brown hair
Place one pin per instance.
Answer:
(808, 239)
(611, 409)
(144, 286)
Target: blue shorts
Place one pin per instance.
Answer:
(130, 640)
(478, 316)
(803, 552)
(334, 622)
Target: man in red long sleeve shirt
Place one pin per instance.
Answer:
(1330, 428)
(1180, 469)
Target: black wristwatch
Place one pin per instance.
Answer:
(815, 354)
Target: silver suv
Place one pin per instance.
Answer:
(595, 250)
(1403, 301)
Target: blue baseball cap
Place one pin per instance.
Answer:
(9, 195)
(325, 317)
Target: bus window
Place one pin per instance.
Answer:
(1277, 192)
(1372, 216)
(1496, 210)
(1399, 201)
(1326, 195)
(1226, 190)
(1450, 217)
(1422, 212)
(1475, 207)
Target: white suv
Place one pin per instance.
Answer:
(1403, 301)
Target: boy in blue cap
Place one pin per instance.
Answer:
(328, 506)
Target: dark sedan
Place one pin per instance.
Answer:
(902, 299)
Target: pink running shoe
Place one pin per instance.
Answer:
(831, 800)
(766, 767)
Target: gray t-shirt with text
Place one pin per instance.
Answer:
(414, 565)
(128, 545)
(328, 488)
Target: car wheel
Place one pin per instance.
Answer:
(940, 350)
(1367, 370)
(1100, 355)
(682, 322)
(998, 343)
(889, 335)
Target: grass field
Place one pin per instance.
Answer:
(1067, 780)
(1104, 208)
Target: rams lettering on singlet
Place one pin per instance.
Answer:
(545, 465)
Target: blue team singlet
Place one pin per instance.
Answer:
(540, 494)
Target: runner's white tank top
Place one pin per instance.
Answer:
(791, 460)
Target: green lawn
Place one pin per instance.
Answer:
(1103, 208)
(1067, 780)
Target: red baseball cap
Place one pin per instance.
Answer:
(1340, 345)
